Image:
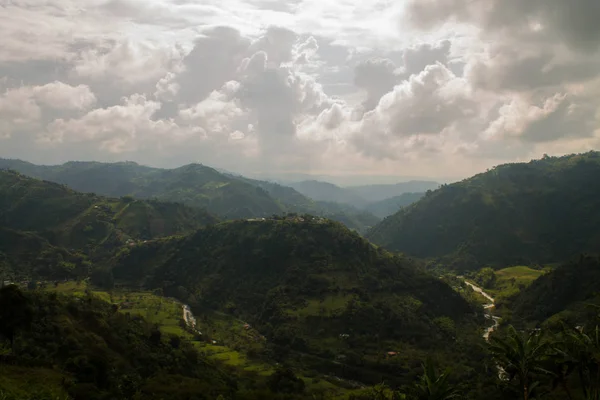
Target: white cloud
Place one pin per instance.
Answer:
(126, 63)
(115, 129)
(300, 85)
(24, 107)
(377, 76)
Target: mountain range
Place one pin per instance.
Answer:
(265, 259)
(316, 290)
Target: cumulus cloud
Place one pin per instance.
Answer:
(527, 44)
(300, 85)
(431, 103)
(126, 64)
(573, 22)
(539, 57)
(117, 129)
(24, 107)
(558, 116)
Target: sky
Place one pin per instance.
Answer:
(421, 88)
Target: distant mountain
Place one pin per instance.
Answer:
(194, 185)
(295, 202)
(361, 197)
(40, 218)
(224, 194)
(391, 205)
(352, 217)
(324, 191)
(309, 285)
(375, 193)
(542, 211)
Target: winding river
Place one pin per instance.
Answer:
(488, 307)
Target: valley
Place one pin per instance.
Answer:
(268, 298)
(488, 307)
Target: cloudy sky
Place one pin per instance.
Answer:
(431, 88)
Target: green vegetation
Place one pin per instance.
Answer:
(515, 214)
(224, 195)
(510, 281)
(507, 282)
(551, 364)
(48, 230)
(337, 210)
(193, 185)
(318, 292)
(567, 294)
(99, 353)
(296, 306)
(31, 383)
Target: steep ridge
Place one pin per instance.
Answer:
(541, 211)
(309, 285)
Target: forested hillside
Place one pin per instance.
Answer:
(82, 347)
(40, 220)
(194, 185)
(311, 286)
(569, 293)
(527, 213)
(224, 195)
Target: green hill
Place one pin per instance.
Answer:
(83, 347)
(194, 185)
(313, 287)
(222, 194)
(27, 255)
(569, 293)
(39, 217)
(520, 214)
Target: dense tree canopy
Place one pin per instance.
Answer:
(541, 211)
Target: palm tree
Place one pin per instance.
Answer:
(433, 386)
(521, 358)
(584, 350)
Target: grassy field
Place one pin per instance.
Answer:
(511, 280)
